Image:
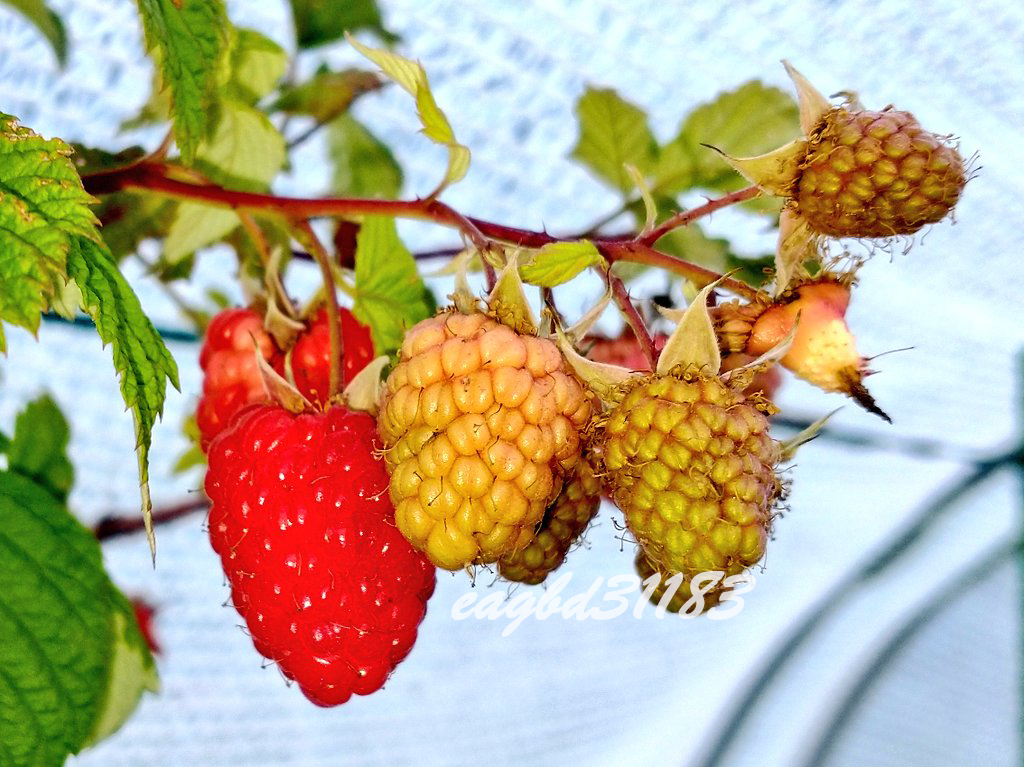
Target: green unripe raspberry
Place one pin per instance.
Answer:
(876, 174)
(691, 464)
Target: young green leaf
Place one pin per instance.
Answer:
(326, 94)
(189, 42)
(38, 448)
(42, 205)
(744, 122)
(47, 22)
(257, 63)
(318, 22)
(140, 356)
(389, 290)
(132, 670)
(613, 132)
(559, 262)
(57, 636)
(413, 79)
(363, 164)
(245, 152)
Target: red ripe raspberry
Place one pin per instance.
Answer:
(144, 613)
(300, 517)
(232, 379)
(311, 355)
(623, 351)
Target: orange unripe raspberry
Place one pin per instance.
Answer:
(824, 351)
(564, 522)
(876, 174)
(691, 464)
(481, 425)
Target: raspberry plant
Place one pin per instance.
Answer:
(355, 443)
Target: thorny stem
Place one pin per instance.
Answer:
(636, 322)
(323, 260)
(689, 216)
(170, 180)
(642, 254)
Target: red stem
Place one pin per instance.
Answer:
(688, 216)
(157, 177)
(113, 526)
(633, 318)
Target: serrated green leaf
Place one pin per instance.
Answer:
(245, 152)
(363, 165)
(744, 122)
(320, 21)
(190, 38)
(55, 627)
(141, 358)
(132, 670)
(38, 448)
(42, 205)
(389, 290)
(326, 94)
(257, 63)
(559, 262)
(613, 133)
(413, 79)
(47, 22)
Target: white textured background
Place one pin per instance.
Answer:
(621, 692)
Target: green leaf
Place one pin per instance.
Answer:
(42, 205)
(132, 670)
(195, 226)
(189, 42)
(257, 63)
(245, 152)
(57, 632)
(413, 79)
(321, 21)
(363, 165)
(389, 290)
(750, 120)
(140, 357)
(559, 262)
(38, 448)
(326, 94)
(47, 22)
(128, 218)
(613, 132)
(690, 242)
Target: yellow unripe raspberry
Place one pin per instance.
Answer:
(682, 594)
(563, 523)
(481, 426)
(691, 464)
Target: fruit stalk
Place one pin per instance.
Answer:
(323, 260)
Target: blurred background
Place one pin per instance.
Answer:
(884, 628)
